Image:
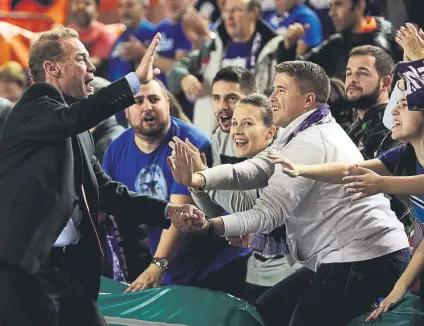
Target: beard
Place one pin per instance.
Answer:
(151, 132)
(365, 101)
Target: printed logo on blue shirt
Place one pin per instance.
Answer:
(151, 181)
(166, 44)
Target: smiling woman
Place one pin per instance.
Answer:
(252, 128)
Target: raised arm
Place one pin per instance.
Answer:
(333, 172)
(52, 120)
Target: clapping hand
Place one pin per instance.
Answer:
(188, 218)
(199, 159)
(412, 41)
(288, 167)
(362, 182)
(145, 71)
(132, 50)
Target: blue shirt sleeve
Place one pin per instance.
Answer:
(133, 81)
(390, 158)
(313, 36)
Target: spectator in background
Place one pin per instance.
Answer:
(13, 81)
(125, 52)
(295, 11)
(5, 107)
(368, 85)
(243, 40)
(340, 109)
(321, 8)
(95, 36)
(107, 130)
(353, 28)
(139, 159)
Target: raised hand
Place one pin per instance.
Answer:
(288, 167)
(362, 182)
(152, 277)
(145, 70)
(182, 165)
(412, 41)
(188, 218)
(387, 303)
(199, 159)
(192, 87)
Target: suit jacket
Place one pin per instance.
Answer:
(46, 154)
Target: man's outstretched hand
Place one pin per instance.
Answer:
(145, 70)
(188, 218)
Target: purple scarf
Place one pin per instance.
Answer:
(274, 244)
(413, 74)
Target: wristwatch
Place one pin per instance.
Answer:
(162, 263)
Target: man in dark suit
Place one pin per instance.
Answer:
(52, 187)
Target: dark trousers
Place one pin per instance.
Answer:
(231, 278)
(50, 297)
(333, 295)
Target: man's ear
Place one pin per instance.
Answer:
(310, 99)
(386, 83)
(51, 69)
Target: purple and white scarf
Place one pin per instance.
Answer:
(412, 72)
(274, 244)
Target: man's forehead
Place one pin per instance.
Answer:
(152, 88)
(74, 46)
(225, 87)
(235, 3)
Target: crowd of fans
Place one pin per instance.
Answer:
(234, 76)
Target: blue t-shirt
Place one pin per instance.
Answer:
(299, 14)
(173, 40)
(390, 159)
(238, 54)
(149, 174)
(118, 67)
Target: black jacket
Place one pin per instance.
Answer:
(332, 54)
(104, 134)
(5, 107)
(46, 154)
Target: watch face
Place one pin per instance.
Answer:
(163, 263)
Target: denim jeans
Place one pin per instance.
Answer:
(334, 294)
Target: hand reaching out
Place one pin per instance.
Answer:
(288, 167)
(199, 159)
(362, 182)
(412, 41)
(145, 70)
(188, 218)
(182, 165)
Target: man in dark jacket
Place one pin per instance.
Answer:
(5, 107)
(52, 187)
(353, 29)
(107, 130)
